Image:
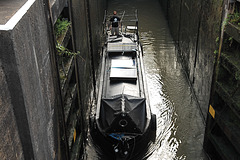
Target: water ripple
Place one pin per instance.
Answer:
(179, 125)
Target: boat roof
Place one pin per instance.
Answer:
(122, 69)
(121, 76)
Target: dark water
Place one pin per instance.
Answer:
(180, 127)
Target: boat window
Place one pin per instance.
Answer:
(123, 69)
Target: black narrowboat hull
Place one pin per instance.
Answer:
(123, 124)
(136, 147)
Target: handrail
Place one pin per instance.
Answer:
(122, 16)
(136, 15)
(105, 15)
(128, 18)
(121, 20)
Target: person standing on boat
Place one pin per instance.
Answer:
(115, 20)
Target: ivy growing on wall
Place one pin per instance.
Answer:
(234, 19)
(61, 26)
(62, 51)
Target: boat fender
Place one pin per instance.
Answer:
(116, 149)
(153, 122)
(153, 128)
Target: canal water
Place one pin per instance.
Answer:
(180, 126)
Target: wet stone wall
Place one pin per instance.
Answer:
(81, 42)
(87, 18)
(96, 14)
(195, 25)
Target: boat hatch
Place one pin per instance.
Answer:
(123, 69)
(121, 47)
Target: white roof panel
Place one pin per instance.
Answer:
(123, 69)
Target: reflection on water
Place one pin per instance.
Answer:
(180, 127)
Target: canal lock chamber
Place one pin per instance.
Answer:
(53, 99)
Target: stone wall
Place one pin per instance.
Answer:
(10, 136)
(57, 7)
(87, 30)
(26, 64)
(195, 25)
(82, 44)
(31, 122)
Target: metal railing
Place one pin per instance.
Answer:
(125, 20)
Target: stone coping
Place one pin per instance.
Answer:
(12, 11)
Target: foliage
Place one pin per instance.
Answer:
(217, 44)
(237, 75)
(234, 18)
(64, 57)
(61, 26)
(230, 41)
(62, 51)
(217, 40)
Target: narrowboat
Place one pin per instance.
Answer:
(123, 123)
